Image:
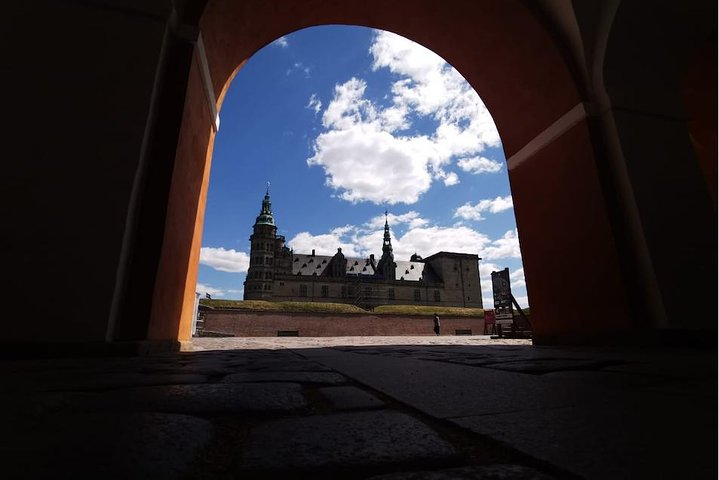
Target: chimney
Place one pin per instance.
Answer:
(313, 252)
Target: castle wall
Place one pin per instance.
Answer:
(369, 292)
(268, 324)
(461, 278)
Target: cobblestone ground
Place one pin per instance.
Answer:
(361, 407)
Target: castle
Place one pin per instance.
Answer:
(277, 273)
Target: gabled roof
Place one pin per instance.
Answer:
(310, 265)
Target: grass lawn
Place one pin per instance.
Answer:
(319, 307)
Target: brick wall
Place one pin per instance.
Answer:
(267, 324)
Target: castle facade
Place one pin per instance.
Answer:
(277, 273)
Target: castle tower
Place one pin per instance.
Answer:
(258, 285)
(386, 266)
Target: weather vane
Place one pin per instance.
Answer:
(268, 187)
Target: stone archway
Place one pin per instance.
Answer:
(535, 96)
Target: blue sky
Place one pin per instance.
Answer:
(345, 122)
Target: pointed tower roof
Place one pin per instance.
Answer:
(387, 242)
(265, 217)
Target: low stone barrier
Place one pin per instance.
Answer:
(244, 323)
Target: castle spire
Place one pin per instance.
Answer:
(387, 242)
(386, 266)
(265, 217)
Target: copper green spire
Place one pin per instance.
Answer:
(265, 217)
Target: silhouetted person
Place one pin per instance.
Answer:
(436, 324)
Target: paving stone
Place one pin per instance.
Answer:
(206, 398)
(349, 439)
(75, 381)
(545, 365)
(449, 390)
(287, 367)
(348, 398)
(606, 378)
(483, 472)
(617, 436)
(300, 377)
(107, 446)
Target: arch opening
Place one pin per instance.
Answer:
(538, 111)
(394, 127)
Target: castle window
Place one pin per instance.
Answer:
(436, 296)
(417, 295)
(311, 260)
(324, 261)
(356, 262)
(297, 259)
(325, 291)
(390, 294)
(270, 260)
(303, 290)
(406, 272)
(411, 267)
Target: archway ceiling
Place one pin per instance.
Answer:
(499, 47)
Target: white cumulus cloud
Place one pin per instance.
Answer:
(412, 219)
(516, 278)
(224, 260)
(281, 42)
(324, 244)
(474, 212)
(505, 247)
(203, 289)
(420, 238)
(478, 165)
(314, 104)
(362, 133)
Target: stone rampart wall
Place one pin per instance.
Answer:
(268, 324)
